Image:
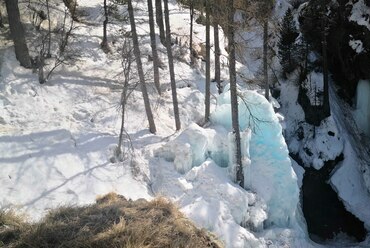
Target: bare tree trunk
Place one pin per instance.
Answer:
(265, 47)
(154, 47)
(48, 55)
(17, 33)
(104, 44)
(234, 95)
(41, 64)
(171, 67)
(191, 31)
(72, 6)
(159, 20)
(326, 104)
(217, 50)
(1, 20)
(208, 64)
(126, 71)
(135, 42)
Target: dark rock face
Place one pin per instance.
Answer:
(313, 114)
(346, 65)
(325, 214)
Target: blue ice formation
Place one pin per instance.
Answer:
(270, 173)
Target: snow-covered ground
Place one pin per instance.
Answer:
(56, 140)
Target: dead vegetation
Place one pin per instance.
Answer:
(112, 221)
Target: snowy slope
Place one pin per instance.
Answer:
(56, 141)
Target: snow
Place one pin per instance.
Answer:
(331, 139)
(188, 150)
(346, 182)
(208, 196)
(314, 87)
(57, 139)
(356, 45)
(360, 14)
(314, 145)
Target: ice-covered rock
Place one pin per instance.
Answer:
(187, 150)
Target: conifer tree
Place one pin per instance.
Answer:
(288, 51)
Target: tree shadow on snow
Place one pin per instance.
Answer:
(38, 161)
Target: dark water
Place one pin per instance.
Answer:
(325, 214)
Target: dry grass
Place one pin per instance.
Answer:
(112, 222)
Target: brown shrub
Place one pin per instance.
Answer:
(112, 222)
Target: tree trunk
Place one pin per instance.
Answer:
(72, 6)
(48, 55)
(208, 64)
(171, 67)
(159, 20)
(191, 31)
(233, 94)
(127, 58)
(217, 50)
(135, 42)
(41, 64)
(265, 47)
(1, 20)
(104, 44)
(17, 33)
(154, 47)
(326, 104)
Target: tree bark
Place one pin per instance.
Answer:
(154, 47)
(1, 20)
(233, 94)
(72, 6)
(48, 55)
(124, 95)
(326, 104)
(41, 64)
(135, 41)
(208, 64)
(265, 47)
(191, 32)
(104, 44)
(18, 34)
(217, 50)
(171, 67)
(159, 20)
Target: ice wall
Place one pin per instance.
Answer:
(267, 167)
(270, 173)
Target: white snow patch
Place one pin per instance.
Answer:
(360, 14)
(356, 45)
